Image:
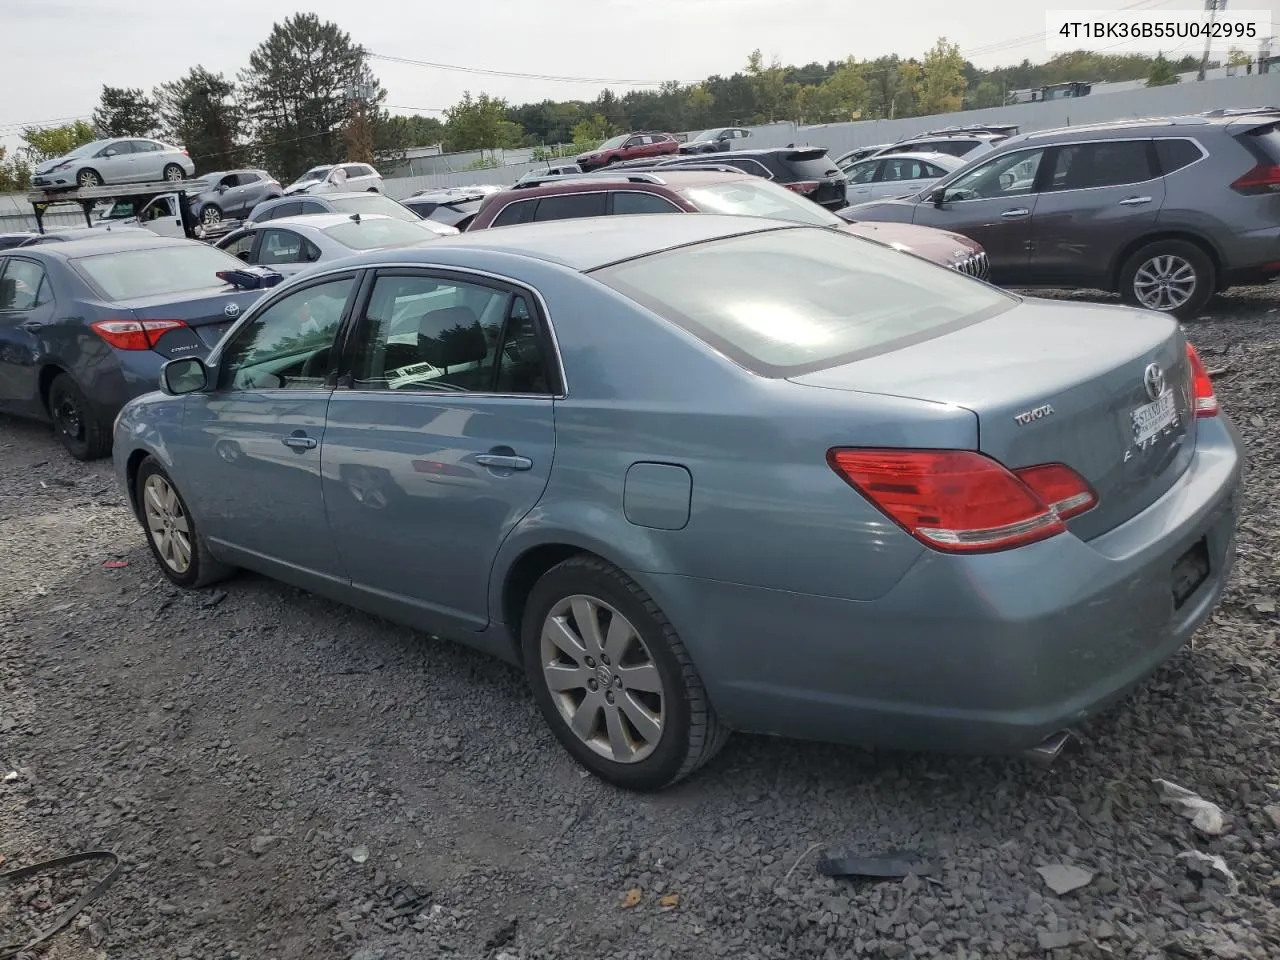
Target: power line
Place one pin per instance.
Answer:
(484, 71)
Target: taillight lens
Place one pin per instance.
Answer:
(958, 501)
(134, 334)
(1204, 399)
(1264, 178)
(802, 186)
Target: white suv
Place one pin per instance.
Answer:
(337, 178)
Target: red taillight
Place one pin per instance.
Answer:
(1264, 178)
(1203, 397)
(958, 501)
(134, 334)
(803, 186)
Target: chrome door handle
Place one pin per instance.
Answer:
(299, 443)
(1011, 214)
(31, 326)
(1134, 201)
(504, 461)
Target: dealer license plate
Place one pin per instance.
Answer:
(1150, 419)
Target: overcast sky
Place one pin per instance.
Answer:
(58, 53)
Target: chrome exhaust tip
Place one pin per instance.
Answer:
(1047, 750)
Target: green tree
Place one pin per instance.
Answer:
(701, 103)
(848, 90)
(986, 94)
(45, 143)
(480, 123)
(200, 113)
(15, 173)
(942, 81)
(1238, 58)
(593, 131)
(1161, 73)
(125, 112)
(770, 87)
(298, 92)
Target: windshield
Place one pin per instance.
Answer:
(155, 271)
(315, 173)
(707, 135)
(371, 234)
(614, 142)
(759, 198)
(373, 203)
(796, 299)
(88, 148)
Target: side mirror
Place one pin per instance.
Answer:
(244, 255)
(187, 375)
(221, 188)
(936, 197)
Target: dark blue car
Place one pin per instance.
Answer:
(85, 326)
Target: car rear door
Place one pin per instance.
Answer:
(148, 160)
(26, 304)
(991, 203)
(1096, 198)
(441, 443)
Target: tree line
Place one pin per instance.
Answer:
(309, 96)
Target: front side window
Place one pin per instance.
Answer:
(862, 172)
(22, 285)
(519, 212)
(1008, 175)
(787, 301)
(239, 245)
(287, 346)
(437, 335)
(1083, 166)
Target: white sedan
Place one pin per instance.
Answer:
(292, 244)
(897, 174)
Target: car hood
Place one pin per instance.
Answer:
(899, 210)
(941, 246)
(50, 165)
(301, 186)
(587, 156)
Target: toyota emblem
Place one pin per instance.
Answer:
(232, 310)
(1153, 380)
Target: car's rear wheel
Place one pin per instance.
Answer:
(173, 173)
(1171, 276)
(613, 678)
(176, 543)
(88, 178)
(211, 214)
(81, 428)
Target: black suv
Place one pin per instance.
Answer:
(453, 206)
(808, 171)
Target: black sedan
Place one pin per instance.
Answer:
(85, 325)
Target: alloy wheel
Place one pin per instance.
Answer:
(167, 523)
(173, 173)
(603, 679)
(212, 215)
(89, 179)
(1165, 282)
(68, 418)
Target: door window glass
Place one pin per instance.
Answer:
(1176, 153)
(287, 346)
(899, 168)
(441, 335)
(280, 246)
(242, 246)
(1008, 175)
(22, 285)
(571, 205)
(631, 201)
(862, 172)
(519, 212)
(1082, 166)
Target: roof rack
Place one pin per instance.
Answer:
(594, 175)
(706, 166)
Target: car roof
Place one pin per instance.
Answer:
(586, 243)
(74, 249)
(933, 156)
(1133, 125)
(651, 180)
(317, 221)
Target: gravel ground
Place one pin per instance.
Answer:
(286, 778)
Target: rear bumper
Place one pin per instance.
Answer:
(986, 654)
(1253, 256)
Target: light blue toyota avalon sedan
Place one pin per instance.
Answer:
(702, 474)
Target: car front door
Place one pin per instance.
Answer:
(245, 195)
(26, 304)
(993, 204)
(861, 177)
(441, 443)
(115, 162)
(256, 438)
(1096, 199)
(161, 217)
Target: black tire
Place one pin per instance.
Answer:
(211, 214)
(88, 177)
(170, 169)
(203, 568)
(80, 426)
(1181, 254)
(691, 733)
(372, 190)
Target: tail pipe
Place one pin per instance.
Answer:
(1047, 750)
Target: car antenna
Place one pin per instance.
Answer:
(355, 218)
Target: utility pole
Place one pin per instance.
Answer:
(359, 130)
(1213, 6)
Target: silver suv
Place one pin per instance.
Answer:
(1167, 212)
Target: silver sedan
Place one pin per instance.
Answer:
(292, 244)
(896, 175)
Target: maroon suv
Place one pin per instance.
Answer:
(706, 191)
(629, 146)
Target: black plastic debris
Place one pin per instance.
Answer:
(889, 866)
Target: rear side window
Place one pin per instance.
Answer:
(808, 167)
(1176, 154)
(570, 206)
(793, 300)
(747, 165)
(1084, 166)
(1266, 140)
(633, 201)
(307, 207)
(519, 212)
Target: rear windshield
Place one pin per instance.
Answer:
(759, 198)
(789, 301)
(1267, 140)
(373, 203)
(369, 234)
(155, 271)
(812, 168)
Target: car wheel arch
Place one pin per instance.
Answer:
(1186, 236)
(48, 373)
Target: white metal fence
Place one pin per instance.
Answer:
(1181, 98)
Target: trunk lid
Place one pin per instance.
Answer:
(207, 314)
(1057, 383)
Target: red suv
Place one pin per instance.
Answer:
(708, 191)
(629, 146)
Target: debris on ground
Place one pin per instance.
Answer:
(630, 899)
(1204, 815)
(1062, 878)
(889, 866)
(359, 854)
(669, 901)
(1207, 866)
